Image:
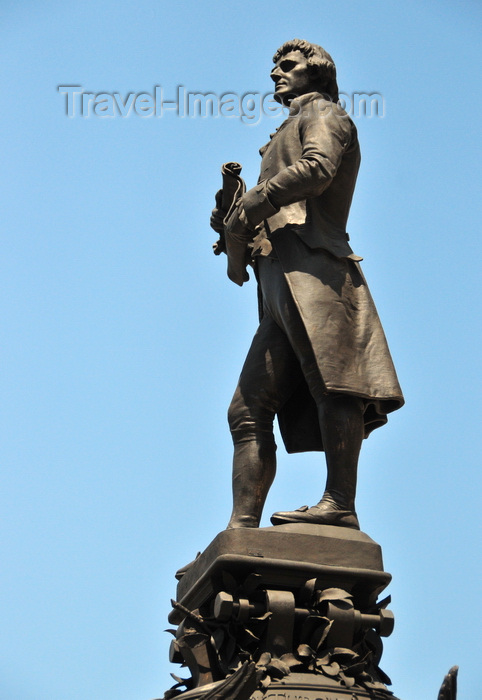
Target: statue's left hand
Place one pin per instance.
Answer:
(218, 214)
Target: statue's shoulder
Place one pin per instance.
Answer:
(317, 108)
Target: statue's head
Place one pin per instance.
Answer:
(301, 67)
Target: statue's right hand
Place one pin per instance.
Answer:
(218, 214)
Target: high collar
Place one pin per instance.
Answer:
(298, 103)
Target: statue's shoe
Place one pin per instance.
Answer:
(318, 515)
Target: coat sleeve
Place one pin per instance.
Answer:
(324, 138)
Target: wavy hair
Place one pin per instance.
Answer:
(319, 62)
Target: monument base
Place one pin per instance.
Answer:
(288, 611)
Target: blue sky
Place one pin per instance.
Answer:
(122, 337)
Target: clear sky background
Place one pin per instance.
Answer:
(122, 338)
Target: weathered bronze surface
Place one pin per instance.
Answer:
(291, 612)
(297, 604)
(288, 613)
(288, 555)
(319, 360)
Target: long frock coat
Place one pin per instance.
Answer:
(302, 201)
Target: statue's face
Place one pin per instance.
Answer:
(292, 77)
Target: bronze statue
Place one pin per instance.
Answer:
(319, 359)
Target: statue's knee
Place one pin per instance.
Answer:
(249, 422)
(234, 416)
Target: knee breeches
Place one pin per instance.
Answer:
(280, 357)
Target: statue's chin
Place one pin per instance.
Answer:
(284, 99)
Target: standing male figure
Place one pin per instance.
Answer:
(319, 359)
